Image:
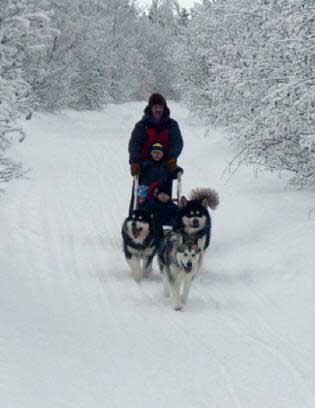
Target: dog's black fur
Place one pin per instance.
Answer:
(193, 210)
(132, 246)
(193, 219)
(155, 231)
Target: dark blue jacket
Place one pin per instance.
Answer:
(152, 171)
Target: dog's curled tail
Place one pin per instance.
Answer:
(208, 194)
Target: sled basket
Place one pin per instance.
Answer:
(175, 199)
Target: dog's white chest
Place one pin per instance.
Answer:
(138, 252)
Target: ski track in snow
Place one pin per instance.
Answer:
(77, 331)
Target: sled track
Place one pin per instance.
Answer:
(72, 316)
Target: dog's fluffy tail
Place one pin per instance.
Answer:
(210, 195)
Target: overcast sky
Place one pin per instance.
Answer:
(183, 3)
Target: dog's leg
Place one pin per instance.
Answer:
(186, 288)
(201, 246)
(147, 266)
(174, 286)
(166, 285)
(199, 266)
(135, 267)
(163, 270)
(161, 264)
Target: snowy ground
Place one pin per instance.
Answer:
(76, 331)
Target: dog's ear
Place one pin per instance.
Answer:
(183, 202)
(204, 203)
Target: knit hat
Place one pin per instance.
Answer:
(157, 147)
(156, 99)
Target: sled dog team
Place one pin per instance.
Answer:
(154, 147)
(179, 252)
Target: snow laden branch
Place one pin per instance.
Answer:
(10, 170)
(24, 37)
(250, 66)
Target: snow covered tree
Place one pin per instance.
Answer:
(159, 44)
(20, 25)
(280, 132)
(250, 66)
(54, 88)
(97, 57)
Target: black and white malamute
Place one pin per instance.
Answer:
(193, 220)
(178, 261)
(141, 233)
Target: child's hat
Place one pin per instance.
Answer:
(157, 147)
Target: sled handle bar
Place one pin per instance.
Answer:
(179, 188)
(135, 192)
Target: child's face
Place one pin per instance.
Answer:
(157, 155)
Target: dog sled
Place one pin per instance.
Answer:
(179, 248)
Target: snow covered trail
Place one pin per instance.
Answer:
(76, 331)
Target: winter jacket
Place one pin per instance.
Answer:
(156, 172)
(149, 131)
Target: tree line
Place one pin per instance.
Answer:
(246, 65)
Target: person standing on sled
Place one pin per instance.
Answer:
(156, 126)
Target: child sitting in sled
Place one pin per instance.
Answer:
(155, 185)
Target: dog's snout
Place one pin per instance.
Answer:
(134, 224)
(189, 264)
(196, 223)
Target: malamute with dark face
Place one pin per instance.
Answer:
(178, 262)
(141, 233)
(194, 220)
